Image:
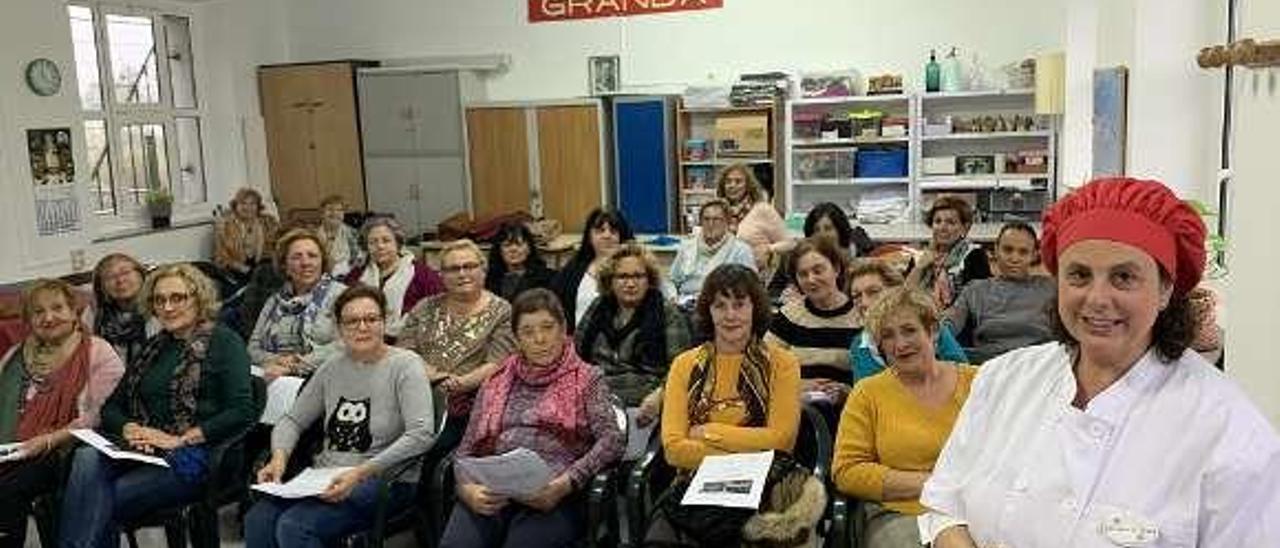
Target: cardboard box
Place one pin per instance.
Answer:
(939, 165)
(742, 134)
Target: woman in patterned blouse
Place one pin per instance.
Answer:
(461, 334)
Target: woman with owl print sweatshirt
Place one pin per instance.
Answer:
(375, 402)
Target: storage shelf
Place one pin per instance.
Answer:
(1022, 92)
(725, 162)
(989, 136)
(724, 109)
(827, 143)
(982, 182)
(856, 181)
(852, 99)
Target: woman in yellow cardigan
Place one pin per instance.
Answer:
(895, 422)
(734, 393)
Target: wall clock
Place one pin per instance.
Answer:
(43, 77)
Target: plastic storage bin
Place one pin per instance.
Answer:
(881, 163)
(823, 164)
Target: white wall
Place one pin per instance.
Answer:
(667, 52)
(1253, 256)
(231, 38)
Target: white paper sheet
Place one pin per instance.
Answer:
(733, 481)
(11, 452)
(637, 436)
(518, 473)
(281, 393)
(109, 449)
(311, 482)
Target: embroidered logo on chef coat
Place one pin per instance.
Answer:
(1126, 529)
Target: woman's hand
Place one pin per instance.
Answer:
(550, 495)
(698, 432)
(37, 446)
(649, 408)
(955, 537)
(273, 471)
(479, 499)
(148, 440)
(342, 485)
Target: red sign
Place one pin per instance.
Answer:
(541, 11)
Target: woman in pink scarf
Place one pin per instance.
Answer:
(546, 399)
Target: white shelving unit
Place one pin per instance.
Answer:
(1020, 194)
(699, 123)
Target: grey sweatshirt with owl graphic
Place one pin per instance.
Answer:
(379, 413)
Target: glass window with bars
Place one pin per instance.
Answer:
(142, 113)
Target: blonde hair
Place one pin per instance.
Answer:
(46, 285)
(246, 193)
(464, 244)
(201, 287)
(902, 299)
(293, 235)
(629, 250)
(754, 191)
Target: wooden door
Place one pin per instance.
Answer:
(336, 133)
(499, 150)
(284, 95)
(569, 155)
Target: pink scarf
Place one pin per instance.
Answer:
(560, 408)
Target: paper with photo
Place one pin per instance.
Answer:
(110, 449)
(518, 473)
(733, 481)
(637, 436)
(311, 482)
(11, 452)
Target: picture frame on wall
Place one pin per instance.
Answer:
(604, 74)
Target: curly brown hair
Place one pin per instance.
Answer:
(735, 281)
(293, 235)
(629, 250)
(944, 203)
(824, 248)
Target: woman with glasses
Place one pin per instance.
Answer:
(295, 332)
(375, 404)
(185, 394)
(393, 269)
(630, 332)
(117, 315)
(461, 334)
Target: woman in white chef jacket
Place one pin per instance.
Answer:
(1117, 434)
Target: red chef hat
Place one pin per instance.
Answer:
(1143, 214)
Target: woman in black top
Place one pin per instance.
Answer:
(514, 263)
(602, 234)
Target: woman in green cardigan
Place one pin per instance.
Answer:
(187, 392)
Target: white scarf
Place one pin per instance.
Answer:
(394, 289)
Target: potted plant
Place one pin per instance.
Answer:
(160, 207)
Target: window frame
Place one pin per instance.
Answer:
(116, 116)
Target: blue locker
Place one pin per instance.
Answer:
(643, 131)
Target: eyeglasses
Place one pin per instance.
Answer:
(459, 268)
(358, 321)
(161, 300)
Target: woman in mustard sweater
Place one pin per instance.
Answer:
(734, 393)
(895, 422)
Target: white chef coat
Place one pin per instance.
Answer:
(1173, 452)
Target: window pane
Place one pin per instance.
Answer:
(133, 59)
(190, 162)
(85, 43)
(144, 162)
(182, 80)
(95, 139)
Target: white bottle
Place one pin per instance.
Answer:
(951, 75)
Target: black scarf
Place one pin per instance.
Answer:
(184, 385)
(650, 348)
(124, 328)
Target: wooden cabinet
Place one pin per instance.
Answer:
(545, 158)
(313, 133)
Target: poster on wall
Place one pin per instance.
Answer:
(1110, 120)
(53, 175)
(604, 74)
(544, 11)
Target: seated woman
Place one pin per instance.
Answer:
(950, 261)
(295, 332)
(701, 253)
(117, 316)
(341, 240)
(870, 278)
(820, 327)
(575, 284)
(735, 393)
(828, 222)
(630, 332)
(244, 237)
(1008, 311)
(375, 404)
(54, 381)
(186, 393)
(545, 399)
(752, 216)
(515, 264)
(895, 422)
(461, 334)
(388, 266)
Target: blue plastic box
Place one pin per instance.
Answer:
(881, 163)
